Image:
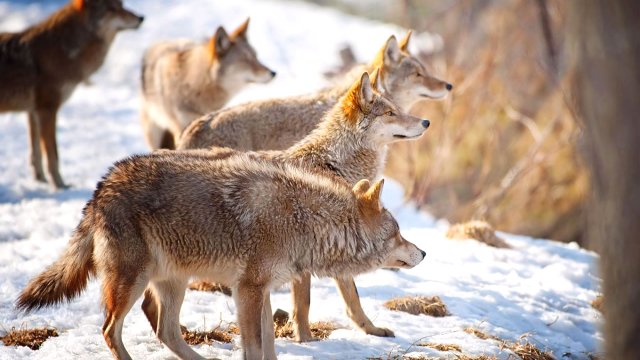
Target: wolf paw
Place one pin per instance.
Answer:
(378, 331)
(305, 337)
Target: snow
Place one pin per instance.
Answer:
(541, 288)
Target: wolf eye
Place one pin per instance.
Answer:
(390, 113)
(418, 74)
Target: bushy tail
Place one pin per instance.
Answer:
(67, 277)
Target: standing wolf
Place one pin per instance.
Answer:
(248, 223)
(351, 143)
(42, 65)
(279, 123)
(182, 80)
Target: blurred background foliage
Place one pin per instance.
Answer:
(504, 146)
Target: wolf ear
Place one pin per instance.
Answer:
(404, 43)
(391, 53)
(241, 31)
(78, 4)
(371, 198)
(361, 187)
(219, 43)
(376, 80)
(366, 91)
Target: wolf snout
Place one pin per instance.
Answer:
(449, 86)
(424, 254)
(425, 123)
(273, 73)
(140, 19)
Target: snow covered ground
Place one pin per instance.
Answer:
(539, 287)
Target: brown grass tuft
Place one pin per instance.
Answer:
(598, 303)
(479, 334)
(442, 347)
(320, 330)
(475, 357)
(208, 337)
(523, 348)
(32, 338)
(416, 305)
(478, 230)
(210, 287)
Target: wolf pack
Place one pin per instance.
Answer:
(252, 196)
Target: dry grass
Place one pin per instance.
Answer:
(416, 305)
(210, 287)
(32, 338)
(478, 230)
(441, 347)
(320, 330)
(598, 303)
(475, 357)
(208, 337)
(523, 348)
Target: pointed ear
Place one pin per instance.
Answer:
(361, 187)
(376, 80)
(366, 91)
(219, 43)
(404, 43)
(241, 31)
(78, 4)
(391, 53)
(374, 193)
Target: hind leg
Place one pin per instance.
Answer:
(268, 332)
(150, 308)
(156, 136)
(118, 297)
(169, 297)
(35, 153)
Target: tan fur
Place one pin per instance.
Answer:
(183, 80)
(251, 224)
(352, 145)
(279, 123)
(41, 66)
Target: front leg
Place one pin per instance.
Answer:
(268, 332)
(351, 298)
(35, 153)
(249, 301)
(47, 119)
(301, 293)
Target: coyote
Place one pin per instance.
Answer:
(42, 65)
(251, 224)
(183, 80)
(278, 124)
(351, 143)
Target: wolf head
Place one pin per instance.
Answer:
(235, 59)
(399, 253)
(375, 117)
(403, 78)
(109, 16)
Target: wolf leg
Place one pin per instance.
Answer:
(249, 300)
(35, 154)
(351, 298)
(150, 308)
(268, 332)
(47, 119)
(301, 293)
(169, 297)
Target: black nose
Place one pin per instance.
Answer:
(273, 73)
(425, 123)
(141, 18)
(449, 86)
(423, 253)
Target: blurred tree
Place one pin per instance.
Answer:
(605, 49)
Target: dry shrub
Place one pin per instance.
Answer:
(207, 337)
(416, 305)
(598, 303)
(523, 348)
(442, 347)
(478, 230)
(32, 338)
(475, 357)
(502, 147)
(210, 287)
(320, 330)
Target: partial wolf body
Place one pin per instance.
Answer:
(42, 65)
(183, 80)
(350, 143)
(251, 224)
(279, 123)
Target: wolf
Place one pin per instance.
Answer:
(247, 222)
(349, 143)
(277, 124)
(41, 66)
(183, 80)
